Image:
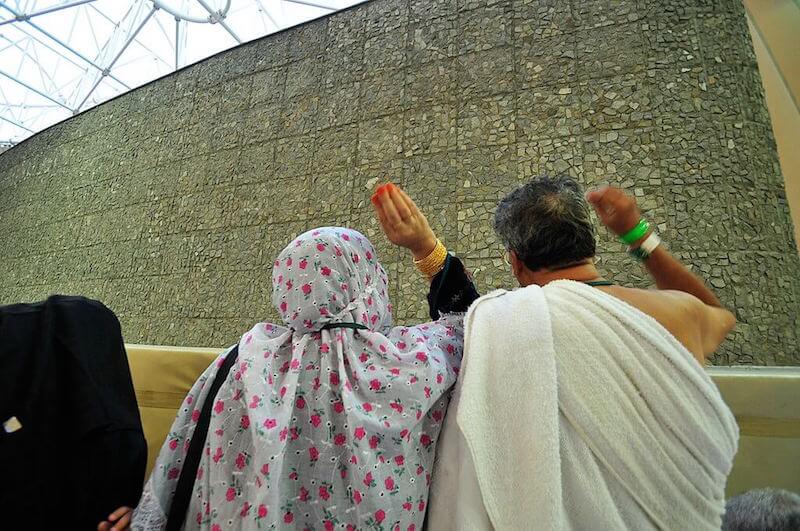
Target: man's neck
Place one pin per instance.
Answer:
(582, 273)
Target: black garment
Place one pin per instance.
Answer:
(80, 453)
(452, 289)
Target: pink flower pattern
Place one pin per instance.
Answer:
(320, 428)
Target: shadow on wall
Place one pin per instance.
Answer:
(170, 202)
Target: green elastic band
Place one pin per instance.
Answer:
(354, 326)
(595, 283)
(635, 233)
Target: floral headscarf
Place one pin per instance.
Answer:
(318, 427)
(330, 275)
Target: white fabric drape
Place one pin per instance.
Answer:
(575, 410)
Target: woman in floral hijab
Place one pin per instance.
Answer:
(327, 421)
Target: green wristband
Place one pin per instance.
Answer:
(635, 233)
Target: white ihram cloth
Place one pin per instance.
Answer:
(575, 410)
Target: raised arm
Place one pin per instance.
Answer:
(452, 289)
(619, 212)
(404, 224)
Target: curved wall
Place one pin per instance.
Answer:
(169, 203)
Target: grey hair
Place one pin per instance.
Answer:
(763, 510)
(547, 223)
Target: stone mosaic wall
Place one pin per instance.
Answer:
(170, 202)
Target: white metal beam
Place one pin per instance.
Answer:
(27, 16)
(25, 53)
(269, 16)
(12, 122)
(312, 4)
(177, 40)
(21, 106)
(62, 43)
(32, 89)
(107, 70)
(219, 16)
(46, 45)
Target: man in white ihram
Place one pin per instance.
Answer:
(583, 404)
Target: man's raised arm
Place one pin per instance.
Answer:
(619, 212)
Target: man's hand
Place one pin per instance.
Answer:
(117, 521)
(617, 210)
(402, 221)
(705, 317)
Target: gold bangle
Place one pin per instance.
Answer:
(434, 262)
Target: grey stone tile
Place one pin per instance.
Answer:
(269, 202)
(623, 270)
(486, 28)
(367, 223)
(434, 83)
(672, 40)
(753, 100)
(331, 194)
(611, 50)
(551, 156)
(336, 148)
(442, 217)
(342, 65)
(537, 19)
(432, 178)
(723, 101)
(622, 158)
(269, 52)
(620, 102)
(725, 39)
(424, 9)
(430, 129)
(598, 13)
(486, 173)
(385, 16)
(700, 152)
(308, 40)
(293, 156)
(700, 219)
(175, 198)
(547, 61)
(268, 85)
(385, 51)
(382, 94)
(548, 112)
(256, 163)
(467, 5)
(487, 122)
(762, 159)
(380, 139)
(298, 117)
(433, 39)
(487, 72)
(476, 236)
(339, 105)
(302, 78)
(410, 305)
(262, 123)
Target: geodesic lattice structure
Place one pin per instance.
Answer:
(61, 57)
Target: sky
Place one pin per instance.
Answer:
(51, 65)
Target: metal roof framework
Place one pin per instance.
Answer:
(61, 57)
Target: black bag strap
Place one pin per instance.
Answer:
(183, 492)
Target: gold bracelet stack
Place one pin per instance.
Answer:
(434, 262)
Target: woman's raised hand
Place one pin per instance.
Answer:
(402, 221)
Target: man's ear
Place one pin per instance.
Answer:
(516, 263)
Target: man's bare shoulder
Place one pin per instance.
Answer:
(674, 310)
(666, 299)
